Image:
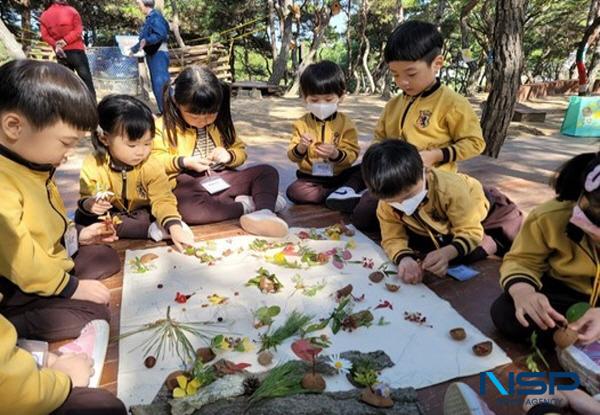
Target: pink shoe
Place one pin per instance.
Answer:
(93, 341)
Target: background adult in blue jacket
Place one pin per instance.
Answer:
(153, 40)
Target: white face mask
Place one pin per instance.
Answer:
(322, 110)
(409, 206)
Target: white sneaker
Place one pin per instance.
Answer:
(343, 199)
(249, 206)
(93, 341)
(264, 223)
(460, 399)
(157, 233)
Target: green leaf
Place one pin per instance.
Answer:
(576, 311)
(274, 310)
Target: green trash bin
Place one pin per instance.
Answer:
(582, 118)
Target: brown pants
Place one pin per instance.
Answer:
(56, 318)
(309, 189)
(502, 224)
(91, 401)
(198, 207)
(134, 225)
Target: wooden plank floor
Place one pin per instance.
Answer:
(472, 299)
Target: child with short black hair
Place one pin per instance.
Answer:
(47, 265)
(439, 122)
(198, 147)
(120, 178)
(433, 215)
(325, 143)
(554, 262)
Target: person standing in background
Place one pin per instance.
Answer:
(62, 29)
(153, 41)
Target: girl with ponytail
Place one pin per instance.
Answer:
(197, 144)
(554, 261)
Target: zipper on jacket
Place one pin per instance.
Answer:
(410, 103)
(323, 133)
(124, 191)
(48, 182)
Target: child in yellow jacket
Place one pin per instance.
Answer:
(58, 388)
(439, 122)
(198, 147)
(324, 143)
(47, 264)
(554, 262)
(430, 217)
(120, 178)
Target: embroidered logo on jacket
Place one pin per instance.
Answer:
(141, 191)
(424, 118)
(336, 138)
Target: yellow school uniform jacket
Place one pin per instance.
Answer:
(338, 130)
(548, 246)
(32, 225)
(454, 208)
(134, 187)
(439, 118)
(169, 156)
(25, 389)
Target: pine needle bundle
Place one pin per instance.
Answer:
(292, 326)
(283, 380)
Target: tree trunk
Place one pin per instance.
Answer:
(386, 89)
(594, 67)
(439, 13)
(349, 41)
(13, 47)
(322, 18)
(26, 24)
(365, 65)
(175, 24)
(271, 14)
(286, 19)
(588, 37)
(471, 78)
(506, 73)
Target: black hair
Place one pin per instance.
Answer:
(323, 78)
(414, 41)
(198, 90)
(46, 93)
(391, 167)
(569, 183)
(149, 3)
(123, 115)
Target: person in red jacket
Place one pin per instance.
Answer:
(62, 29)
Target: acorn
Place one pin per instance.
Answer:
(483, 349)
(265, 358)
(313, 382)
(458, 334)
(564, 337)
(345, 291)
(392, 287)
(148, 258)
(150, 361)
(205, 354)
(376, 276)
(266, 285)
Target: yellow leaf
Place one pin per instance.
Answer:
(195, 383)
(178, 393)
(191, 390)
(182, 381)
(279, 258)
(216, 299)
(247, 345)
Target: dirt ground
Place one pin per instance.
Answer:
(530, 155)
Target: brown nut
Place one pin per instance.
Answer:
(483, 349)
(564, 337)
(392, 287)
(458, 334)
(376, 276)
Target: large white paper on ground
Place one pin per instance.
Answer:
(423, 356)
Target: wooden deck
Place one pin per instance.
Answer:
(472, 299)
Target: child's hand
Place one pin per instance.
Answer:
(588, 326)
(305, 142)
(220, 155)
(79, 367)
(431, 157)
(97, 207)
(327, 151)
(437, 261)
(97, 233)
(410, 271)
(534, 304)
(180, 237)
(93, 291)
(197, 163)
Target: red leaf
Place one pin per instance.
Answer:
(359, 299)
(182, 298)
(289, 250)
(303, 235)
(305, 350)
(385, 304)
(241, 366)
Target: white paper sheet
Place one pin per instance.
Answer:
(423, 356)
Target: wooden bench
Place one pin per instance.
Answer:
(523, 113)
(255, 88)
